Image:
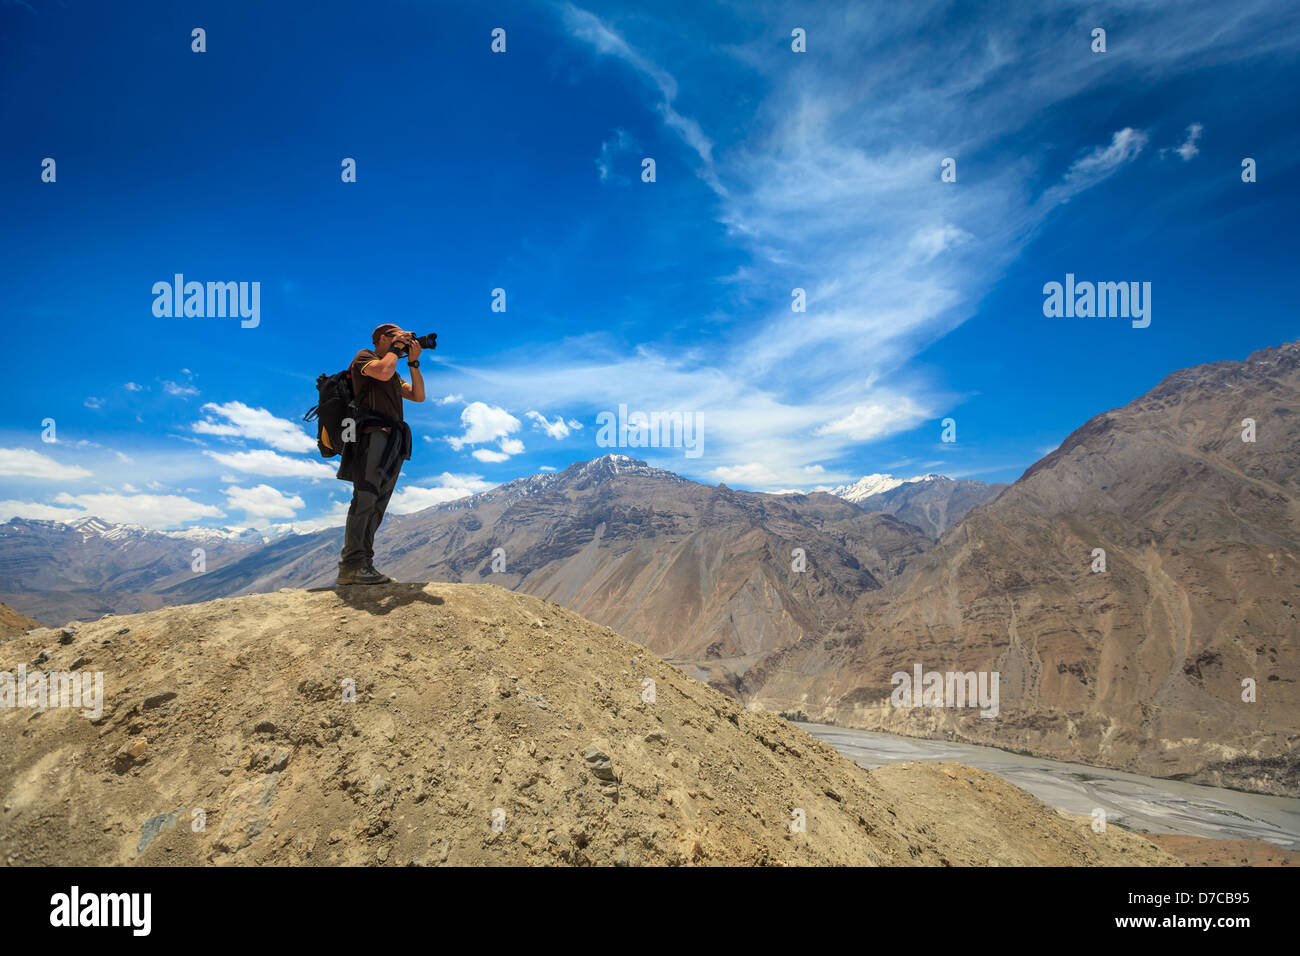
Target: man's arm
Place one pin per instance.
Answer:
(414, 391)
(383, 368)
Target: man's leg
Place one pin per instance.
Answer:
(359, 532)
(385, 489)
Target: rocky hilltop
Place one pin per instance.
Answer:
(460, 725)
(1140, 666)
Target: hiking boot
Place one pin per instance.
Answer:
(360, 576)
(383, 578)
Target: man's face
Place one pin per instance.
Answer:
(386, 340)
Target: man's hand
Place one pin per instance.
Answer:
(413, 348)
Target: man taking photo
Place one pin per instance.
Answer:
(383, 442)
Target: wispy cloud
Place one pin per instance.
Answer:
(181, 391)
(1188, 149)
(557, 429)
(1094, 166)
(26, 463)
(835, 189)
(590, 29)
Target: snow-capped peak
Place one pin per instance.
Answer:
(869, 485)
(249, 535)
(866, 486)
(92, 527)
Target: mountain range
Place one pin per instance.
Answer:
(701, 575)
(1128, 589)
(60, 571)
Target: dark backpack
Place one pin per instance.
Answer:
(334, 403)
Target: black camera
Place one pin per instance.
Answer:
(429, 341)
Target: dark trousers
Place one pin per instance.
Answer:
(370, 494)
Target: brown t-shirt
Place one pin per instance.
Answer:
(384, 397)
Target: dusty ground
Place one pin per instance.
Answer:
(227, 738)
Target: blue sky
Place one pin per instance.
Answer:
(521, 170)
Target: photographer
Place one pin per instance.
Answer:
(374, 460)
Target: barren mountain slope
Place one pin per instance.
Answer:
(701, 575)
(473, 706)
(1140, 667)
(934, 503)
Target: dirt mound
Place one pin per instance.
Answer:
(457, 724)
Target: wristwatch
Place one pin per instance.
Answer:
(412, 364)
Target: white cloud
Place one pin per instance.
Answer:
(483, 423)
(265, 462)
(877, 419)
(1189, 149)
(450, 487)
(557, 429)
(253, 424)
(151, 511)
(130, 488)
(449, 400)
(36, 511)
(133, 387)
(93, 403)
(488, 455)
(1096, 165)
(263, 501)
(183, 391)
(25, 463)
(753, 473)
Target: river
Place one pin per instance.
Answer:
(1136, 802)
